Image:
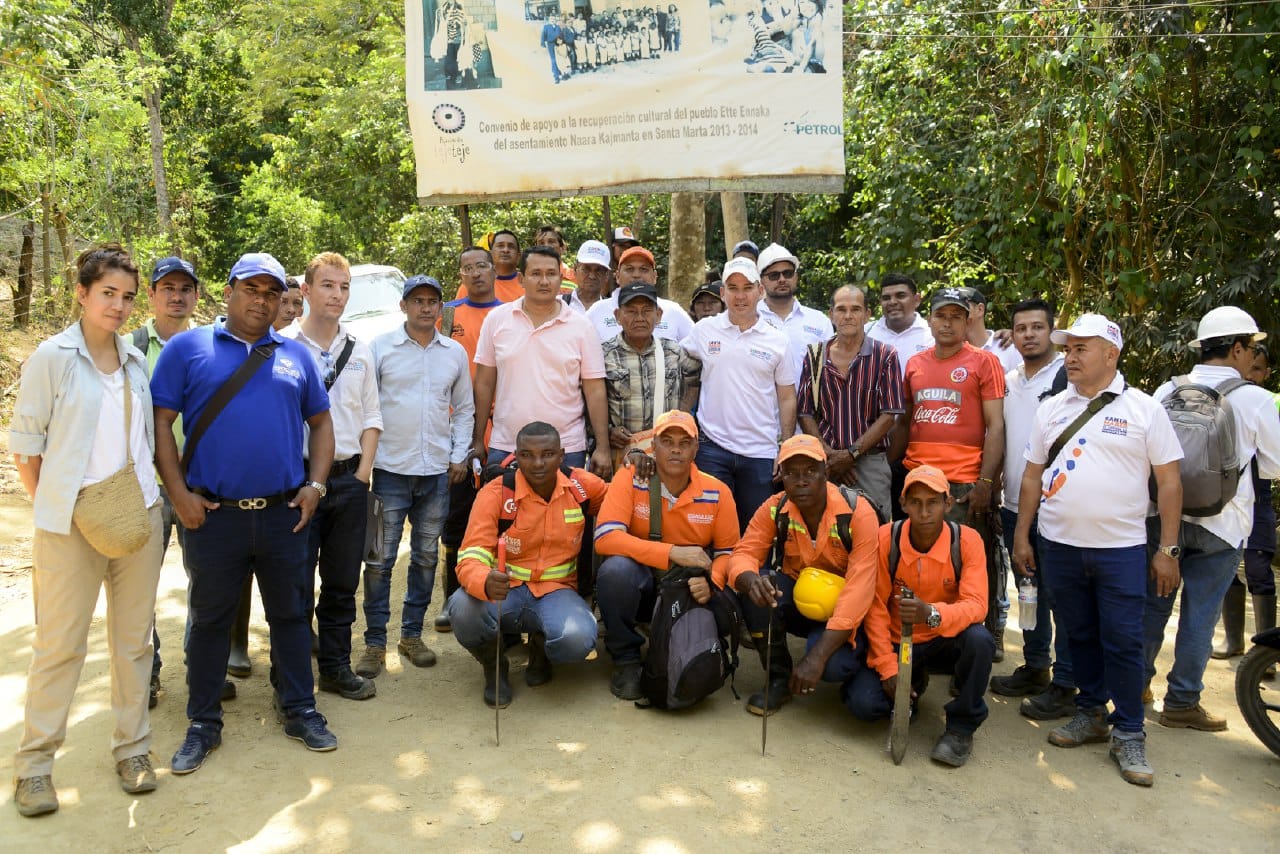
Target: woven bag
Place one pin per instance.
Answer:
(111, 514)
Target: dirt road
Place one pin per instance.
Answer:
(579, 771)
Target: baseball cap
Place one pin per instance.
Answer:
(973, 295)
(624, 234)
(713, 288)
(929, 476)
(627, 293)
(745, 246)
(1089, 326)
(633, 252)
(802, 445)
(172, 264)
(594, 252)
(420, 281)
(1226, 321)
(949, 296)
(258, 264)
(743, 267)
(772, 254)
(676, 419)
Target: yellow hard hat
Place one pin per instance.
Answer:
(816, 592)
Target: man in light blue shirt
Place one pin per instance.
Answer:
(424, 383)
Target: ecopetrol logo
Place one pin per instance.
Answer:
(808, 128)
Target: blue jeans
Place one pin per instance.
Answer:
(1100, 596)
(336, 544)
(424, 501)
(221, 554)
(573, 459)
(844, 663)
(749, 479)
(625, 593)
(561, 616)
(1208, 566)
(1037, 642)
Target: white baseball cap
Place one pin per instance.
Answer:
(743, 267)
(1090, 326)
(1226, 321)
(594, 252)
(772, 254)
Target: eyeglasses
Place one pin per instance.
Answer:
(478, 267)
(775, 275)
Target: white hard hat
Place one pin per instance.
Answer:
(1226, 321)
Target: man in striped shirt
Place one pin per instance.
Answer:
(850, 392)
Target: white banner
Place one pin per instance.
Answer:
(526, 98)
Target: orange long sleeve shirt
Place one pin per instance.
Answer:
(542, 543)
(703, 515)
(824, 552)
(932, 578)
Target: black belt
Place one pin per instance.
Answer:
(341, 467)
(260, 503)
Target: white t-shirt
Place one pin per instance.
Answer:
(914, 339)
(1257, 433)
(803, 326)
(738, 407)
(1021, 400)
(674, 325)
(1095, 492)
(107, 456)
(1009, 356)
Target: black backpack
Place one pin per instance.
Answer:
(895, 550)
(693, 648)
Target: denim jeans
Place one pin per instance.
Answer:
(967, 656)
(1208, 565)
(221, 554)
(561, 615)
(1037, 642)
(1100, 596)
(336, 544)
(625, 592)
(749, 479)
(424, 501)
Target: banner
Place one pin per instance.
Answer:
(517, 99)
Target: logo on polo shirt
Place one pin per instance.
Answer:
(814, 331)
(959, 375)
(1115, 426)
(458, 331)
(700, 518)
(938, 395)
(713, 348)
(286, 367)
(509, 507)
(762, 355)
(513, 544)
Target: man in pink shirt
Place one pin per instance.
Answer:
(538, 360)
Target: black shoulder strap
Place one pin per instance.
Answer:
(655, 507)
(782, 522)
(141, 339)
(895, 550)
(842, 529)
(505, 521)
(1091, 410)
(228, 390)
(343, 358)
(955, 547)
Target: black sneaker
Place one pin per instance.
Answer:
(201, 740)
(1056, 701)
(346, 684)
(1021, 682)
(310, 728)
(625, 681)
(953, 748)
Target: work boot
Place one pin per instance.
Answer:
(626, 679)
(777, 691)
(1021, 682)
(35, 796)
(346, 684)
(1087, 727)
(497, 689)
(371, 662)
(416, 651)
(953, 748)
(444, 622)
(1232, 624)
(238, 664)
(538, 670)
(1056, 701)
(1195, 717)
(1129, 750)
(998, 655)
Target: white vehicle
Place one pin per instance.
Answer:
(374, 308)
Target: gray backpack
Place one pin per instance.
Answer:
(1206, 428)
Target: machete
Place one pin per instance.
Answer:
(902, 697)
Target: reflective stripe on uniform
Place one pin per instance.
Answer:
(573, 515)
(551, 573)
(483, 555)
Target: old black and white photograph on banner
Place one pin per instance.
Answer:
(777, 36)
(456, 33)
(606, 35)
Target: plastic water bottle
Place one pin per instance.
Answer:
(1027, 599)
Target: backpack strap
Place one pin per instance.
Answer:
(507, 513)
(1083, 418)
(228, 390)
(343, 358)
(895, 550)
(782, 522)
(955, 548)
(842, 530)
(655, 507)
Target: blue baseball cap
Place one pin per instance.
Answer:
(258, 264)
(414, 282)
(172, 264)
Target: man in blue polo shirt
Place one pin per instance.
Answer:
(244, 498)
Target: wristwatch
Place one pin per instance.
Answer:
(1174, 552)
(855, 452)
(935, 619)
(318, 487)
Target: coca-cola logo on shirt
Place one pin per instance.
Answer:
(937, 415)
(938, 395)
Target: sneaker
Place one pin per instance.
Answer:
(1056, 701)
(444, 623)
(136, 774)
(1130, 753)
(371, 662)
(953, 748)
(625, 681)
(346, 684)
(310, 728)
(154, 699)
(1021, 682)
(201, 740)
(35, 796)
(416, 651)
(1088, 726)
(773, 697)
(1195, 717)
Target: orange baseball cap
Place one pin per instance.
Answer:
(802, 446)
(930, 477)
(637, 251)
(676, 419)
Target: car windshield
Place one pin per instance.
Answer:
(374, 293)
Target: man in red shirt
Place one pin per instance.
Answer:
(955, 411)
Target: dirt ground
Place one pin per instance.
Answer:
(579, 771)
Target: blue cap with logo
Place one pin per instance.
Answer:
(258, 264)
(172, 264)
(420, 281)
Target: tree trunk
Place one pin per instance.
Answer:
(46, 244)
(637, 223)
(688, 245)
(606, 218)
(734, 207)
(63, 228)
(151, 97)
(464, 218)
(779, 215)
(26, 260)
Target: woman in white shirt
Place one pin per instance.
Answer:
(69, 431)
